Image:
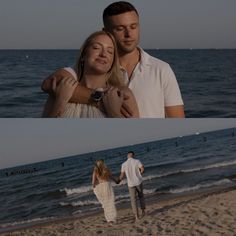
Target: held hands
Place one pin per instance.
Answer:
(117, 181)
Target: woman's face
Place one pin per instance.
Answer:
(99, 55)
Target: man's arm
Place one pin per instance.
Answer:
(55, 106)
(122, 176)
(175, 111)
(141, 169)
(81, 94)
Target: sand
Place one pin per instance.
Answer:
(196, 214)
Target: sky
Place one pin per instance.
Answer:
(26, 141)
(60, 24)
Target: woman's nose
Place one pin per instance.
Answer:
(103, 52)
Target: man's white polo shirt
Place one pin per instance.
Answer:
(132, 172)
(154, 86)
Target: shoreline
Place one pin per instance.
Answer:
(157, 205)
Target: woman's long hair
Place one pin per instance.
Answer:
(101, 170)
(115, 77)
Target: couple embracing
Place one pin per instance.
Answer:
(101, 180)
(113, 76)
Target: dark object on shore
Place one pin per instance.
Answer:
(20, 172)
(233, 177)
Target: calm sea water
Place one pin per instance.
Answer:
(207, 79)
(62, 187)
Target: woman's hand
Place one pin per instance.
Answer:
(62, 93)
(64, 90)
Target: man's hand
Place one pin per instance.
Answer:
(129, 108)
(120, 103)
(112, 101)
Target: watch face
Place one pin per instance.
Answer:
(97, 96)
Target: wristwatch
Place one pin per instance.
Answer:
(96, 97)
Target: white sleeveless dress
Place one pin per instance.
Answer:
(76, 110)
(105, 195)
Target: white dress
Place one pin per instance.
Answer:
(76, 110)
(105, 195)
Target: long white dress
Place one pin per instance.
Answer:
(105, 195)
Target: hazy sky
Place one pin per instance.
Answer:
(26, 141)
(60, 24)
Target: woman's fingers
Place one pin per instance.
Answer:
(54, 83)
(69, 81)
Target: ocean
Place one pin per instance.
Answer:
(207, 79)
(62, 188)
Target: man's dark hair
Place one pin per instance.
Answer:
(131, 152)
(117, 8)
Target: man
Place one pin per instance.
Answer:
(151, 80)
(133, 170)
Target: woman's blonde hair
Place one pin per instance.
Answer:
(101, 170)
(115, 77)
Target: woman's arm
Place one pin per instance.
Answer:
(94, 179)
(81, 94)
(116, 180)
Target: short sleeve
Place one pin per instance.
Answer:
(139, 164)
(172, 95)
(71, 71)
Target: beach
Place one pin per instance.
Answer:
(201, 213)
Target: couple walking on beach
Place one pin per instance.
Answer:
(132, 168)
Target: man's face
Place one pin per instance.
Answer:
(126, 30)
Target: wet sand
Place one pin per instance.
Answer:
(208, 213)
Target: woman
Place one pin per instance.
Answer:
(103, 190)
(97, 68)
